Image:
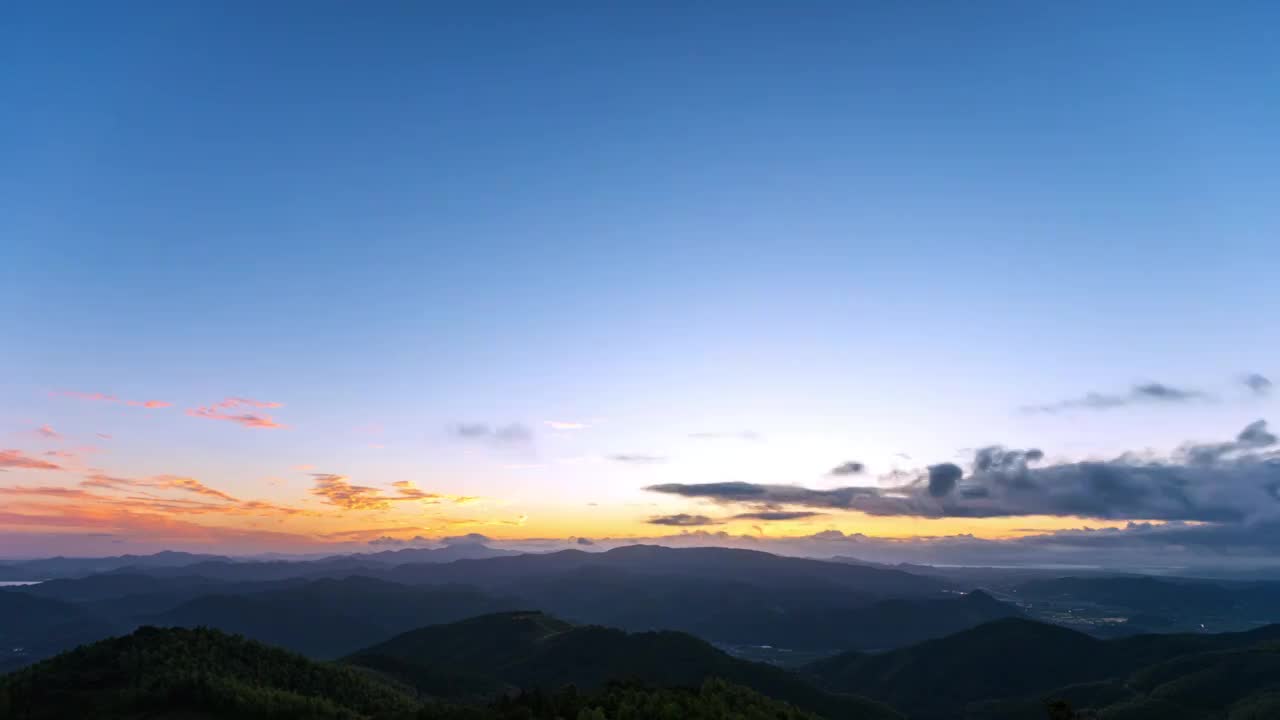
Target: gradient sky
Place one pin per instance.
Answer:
(487, 250)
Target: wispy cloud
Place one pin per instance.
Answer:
(1144, 393)
(104, 436)
(682, 520)
(510, 434)
(771, 515)
(94, 396)
(107, 397)
(47, 431)
(192, 485)
(18, 460)
(747, 435)
(1257, 384)
(149, 404)
(226, 410)
(338, 490)
(637, 459)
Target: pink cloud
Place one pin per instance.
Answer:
(48, 431)
(97, 396)
(104, 397)
(242, 402)
(16, 459)
(217, 410)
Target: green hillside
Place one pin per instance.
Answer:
(489, 654)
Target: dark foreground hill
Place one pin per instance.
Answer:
(1009, 667)
(172, 672)
(179, 674)
(492, 654)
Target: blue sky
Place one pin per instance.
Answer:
(853, 229)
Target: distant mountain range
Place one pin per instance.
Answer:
(733, 597)
(487, 623)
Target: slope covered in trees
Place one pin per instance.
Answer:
(179, 674)
(169, 672)
(485, 655)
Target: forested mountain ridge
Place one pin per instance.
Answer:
(179, 674)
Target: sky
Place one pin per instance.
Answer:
(303, 276)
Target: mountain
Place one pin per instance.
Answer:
(1011, 658)
(178, 673)
(207, 675)
(448, 553)
(32, 628)
(62, 567)
(1156, 603)
(491, 654)
(746, 611)
(709, 563)
(353, 612)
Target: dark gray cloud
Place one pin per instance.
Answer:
(943, 479)
(637, 459)
(1222, 482)
(850, 468)
(777, 515)
(510, 434)
(1258, 384)
(682, 520)
(1254, 436)
(584, 541)
(1151, 393)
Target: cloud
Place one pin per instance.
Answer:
(388, 541)
(563, 425)
(105, 397)
(48, 432)
(1258, 384)
(104, 436)
(777, 515)
(18, 460)
(64, 454)
(338, 490)
(219, 411)
(190, 485)
(943, 478)
(1219, 482)
(158, 482)
(682, 520)
(95, 396)
(1144, 393)
(510, 434)
(637, 459)
(747, 435)
(468, 539)
(849, 468)
(584, 541)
